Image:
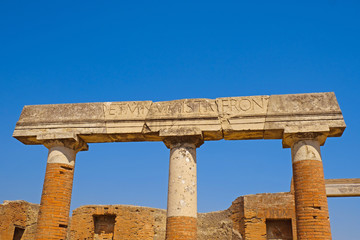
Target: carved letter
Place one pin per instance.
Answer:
(112, 109)
(188, 108)
(245, 104)
(135, 107)
(233, 103)
(224, 105)
(262, 103)
(210, 107)
(160, 107)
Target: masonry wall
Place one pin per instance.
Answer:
(18, 218)
(143, 223)
(237, 215)
(217, 226)
(251, 217)
(264, 214)
(131, 223)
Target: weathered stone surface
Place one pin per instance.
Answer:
(253, 117)
(217, 226)
(125, 120)
(243, 117)
(59, 121)
(294, 113)
(19, 215)
(185, 117)
(349, 187)
(182, 191)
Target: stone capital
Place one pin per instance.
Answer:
(289, 139)
(74, 144)
(196, 140)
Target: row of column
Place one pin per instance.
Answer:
(309, 185)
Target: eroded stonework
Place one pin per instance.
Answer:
(18, 220)
(246, 217)
(253, 117)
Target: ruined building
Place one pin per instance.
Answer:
(302, 121)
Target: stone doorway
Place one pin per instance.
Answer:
(104, 227)
(279, 229)
(18, 233)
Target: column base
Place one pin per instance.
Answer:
(184, 228)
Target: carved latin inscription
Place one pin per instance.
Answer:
(127, 110)
(243, 105)
(188, 108)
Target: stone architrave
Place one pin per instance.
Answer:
(233, 118)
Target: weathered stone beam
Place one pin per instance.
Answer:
(232, 118)
(349, 187)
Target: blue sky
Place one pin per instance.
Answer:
(92, 51)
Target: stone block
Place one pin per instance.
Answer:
(230, 118)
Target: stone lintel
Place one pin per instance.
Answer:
(343, 187)
(230, 118)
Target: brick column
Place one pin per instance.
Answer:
(53, 216)
(312, 214)
(181, 220)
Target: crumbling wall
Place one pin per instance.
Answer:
(131, 222)
(18, 220)
(237, 215)
(261, 212)
(252, 217)
(217, 226)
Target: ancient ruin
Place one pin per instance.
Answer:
(302, 121)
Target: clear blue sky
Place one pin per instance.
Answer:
(95, 51)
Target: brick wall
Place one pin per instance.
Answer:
(237, 215)
(246, 217)
(217, 226)
(18, 214)
(131, 222)
(250, 213)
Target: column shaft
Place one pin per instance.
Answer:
(182, 193)
(312, 213)
(53, 217)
